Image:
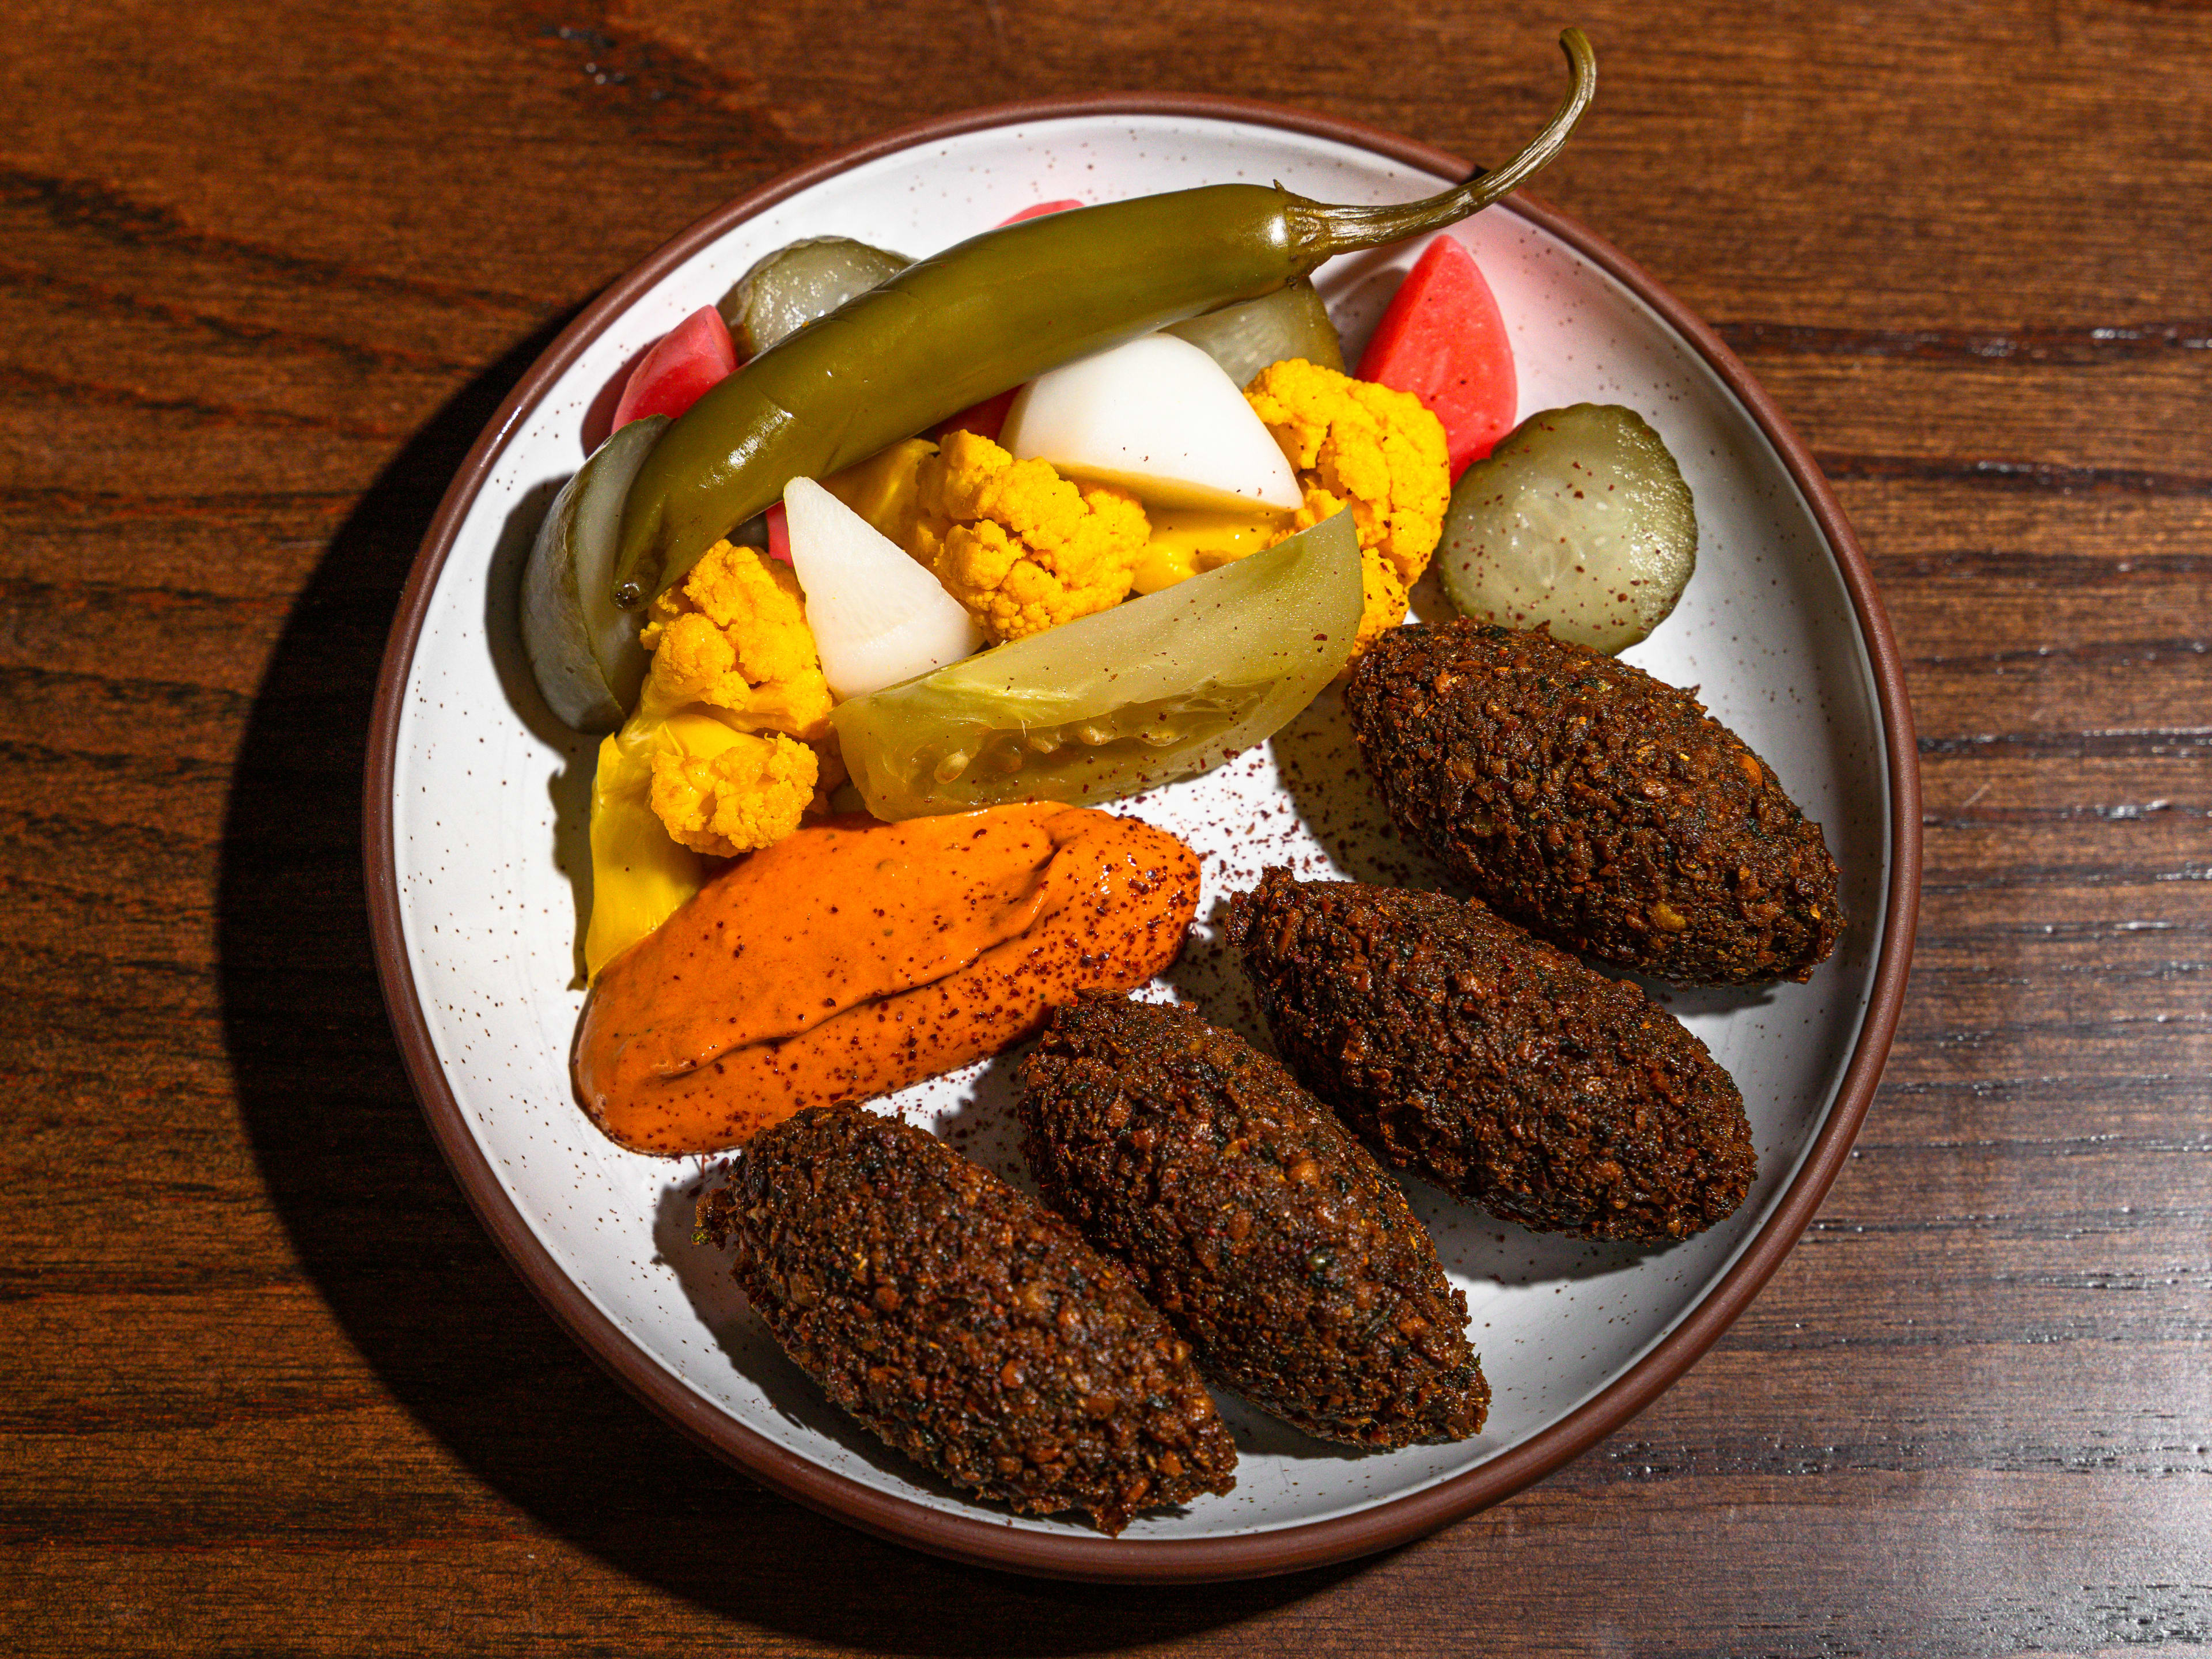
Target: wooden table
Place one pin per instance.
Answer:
(265, 271)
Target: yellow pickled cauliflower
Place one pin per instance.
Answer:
(717, 758)
(1022, 548)
(730, 642)
(733, 636)
(1379, 452)
(727, 793)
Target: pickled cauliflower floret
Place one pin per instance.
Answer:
(1377, 451)
(1022, 548)
(734, 695)
(733, 636)
(735, 793)
(731, 744)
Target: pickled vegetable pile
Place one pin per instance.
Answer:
(891, 570)
(1163, 567)
(1054, 441)
(874, 534)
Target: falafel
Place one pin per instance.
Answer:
(956, 1318)
(1494, 1064)
(1595, 804)
(1267, 1234)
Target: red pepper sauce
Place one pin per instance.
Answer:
(856, 957)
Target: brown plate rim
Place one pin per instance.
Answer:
(982, 1538)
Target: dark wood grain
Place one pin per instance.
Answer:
(266, 271)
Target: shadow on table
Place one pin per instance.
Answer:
(418, 1287)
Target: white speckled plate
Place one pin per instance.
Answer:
(477, 800)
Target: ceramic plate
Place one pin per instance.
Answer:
(477, 802)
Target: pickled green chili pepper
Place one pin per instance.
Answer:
(995, 311)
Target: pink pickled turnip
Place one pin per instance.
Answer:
(692, 357)
(1036, 212)
(986, 420)
(1444, 340)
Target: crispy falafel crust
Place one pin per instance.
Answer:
(1595, 804)
(1267, 1234)
(1494, 1064)
(962, 1324)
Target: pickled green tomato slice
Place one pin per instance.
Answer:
(1291, 322)
(1580, 519)
(1155, 688)
(798, 284)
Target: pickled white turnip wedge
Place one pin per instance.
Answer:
(877, 616)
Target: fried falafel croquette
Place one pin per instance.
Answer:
(959, 1321)
(1595, 804)
(1493, 1064)
(1265, 1233)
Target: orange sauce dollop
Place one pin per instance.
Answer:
(855, 958)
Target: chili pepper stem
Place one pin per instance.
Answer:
(1326, 231)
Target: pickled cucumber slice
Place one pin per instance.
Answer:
(793, 286)
(1155, 688)
(1291, 322)
(584, 652)
(1580, 519)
